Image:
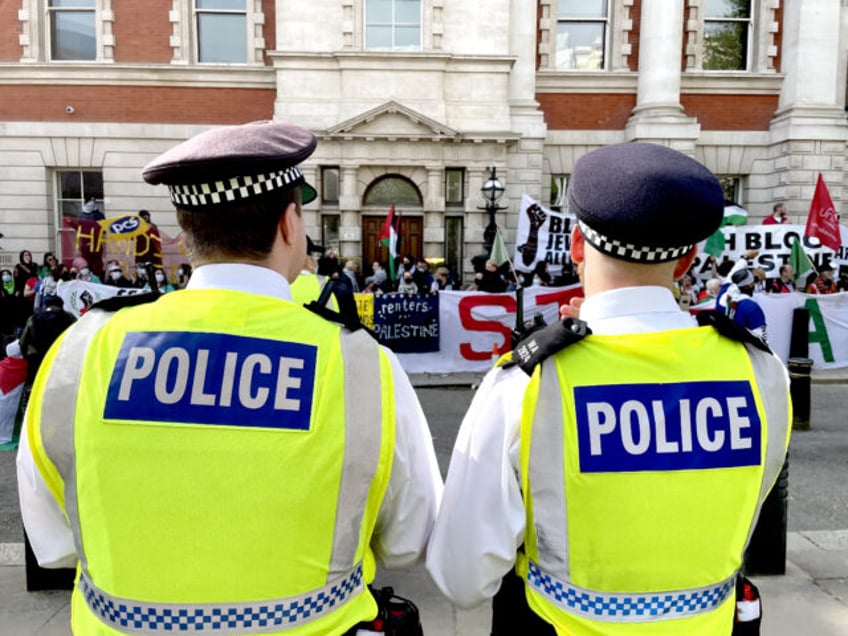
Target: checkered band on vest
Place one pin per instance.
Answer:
(233, 189)
(258, 617)
(629, 251)
(629, 607)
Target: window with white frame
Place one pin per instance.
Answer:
(559, 188)
(582, 32)
(221, 31)
(75, 187)
(393, 25)
(727, 35)
(73, 29)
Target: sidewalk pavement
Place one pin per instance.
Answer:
(811, 598)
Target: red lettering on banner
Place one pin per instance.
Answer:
(471, 324)
(561, 297)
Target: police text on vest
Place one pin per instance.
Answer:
(205, 378)
(668, 426)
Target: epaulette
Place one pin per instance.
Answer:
(545, 342)
(115, 303)
(729, 329)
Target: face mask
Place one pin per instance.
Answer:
(140, 271)
(537, 281)
(159, 277)
(421, 269)
(84, 271)
(115, 275)
(180, 272)
(7, 278)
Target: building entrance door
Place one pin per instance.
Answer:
(411, 240)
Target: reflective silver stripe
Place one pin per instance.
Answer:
(773, 386)
(363, 403)
(547, 475)
(58, 406)
(254, 617)
(629, 607)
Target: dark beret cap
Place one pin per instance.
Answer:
(644, 202)
(234, 162)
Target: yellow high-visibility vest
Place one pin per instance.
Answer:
(643, 460)
(221, 458)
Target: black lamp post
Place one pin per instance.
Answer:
(492, 191)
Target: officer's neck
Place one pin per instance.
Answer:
(601, 274)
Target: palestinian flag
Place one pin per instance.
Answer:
(390, 237)
(733, 215)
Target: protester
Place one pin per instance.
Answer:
(490, 279)
(736, 304)
(786, 283)
(777, 216)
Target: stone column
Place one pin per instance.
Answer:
(350, 227)
(658, 115)
(809, 131)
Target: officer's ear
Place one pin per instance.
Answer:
(577, 245)
(684, 263)
(288, 224)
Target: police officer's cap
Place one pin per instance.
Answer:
(644, 202)
(234, 163)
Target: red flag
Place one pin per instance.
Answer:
(823, 223)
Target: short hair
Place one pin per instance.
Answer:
(784, 268)
(243, 228)
(777, 205)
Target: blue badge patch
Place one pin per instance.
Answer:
(680, 426)
(208, 378)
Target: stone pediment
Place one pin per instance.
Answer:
(392, 121)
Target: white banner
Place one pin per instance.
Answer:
(774, 244)
(475, 326)
(542, 235)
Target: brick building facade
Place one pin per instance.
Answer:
(414, 100)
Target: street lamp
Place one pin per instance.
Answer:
(492, 191)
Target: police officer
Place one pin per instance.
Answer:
(613, 489)
(226, 459)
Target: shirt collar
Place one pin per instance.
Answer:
(634, 310)
(250, 279)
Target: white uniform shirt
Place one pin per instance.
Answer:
(415, 485)
(481, 520)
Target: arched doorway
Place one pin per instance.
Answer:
(391, 190)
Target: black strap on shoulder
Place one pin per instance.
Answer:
(729, 329)
(115, 303)
(348, 316)
(545, 342)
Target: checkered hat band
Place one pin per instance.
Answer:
(629, 607)
(222, 619)
(233, 189)
(629, 251)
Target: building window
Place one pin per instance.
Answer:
(393, 25)
(559, 185)
(73, 29)
(221, 31)
(392, 190)
(75, 187)
(454, 187)
(581, 37)
(330, 186)
(454, 239)
(330, 224)
(727, 29)
(732, 188)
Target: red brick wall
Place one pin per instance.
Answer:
(142, 31)
(137, 104)
(731, 112)
(10, 27)
(578, 111)
(633, 36)
(778, 37)
(269, 30)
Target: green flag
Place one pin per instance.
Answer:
(499, 253)
(733, 215)
(800, 262)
